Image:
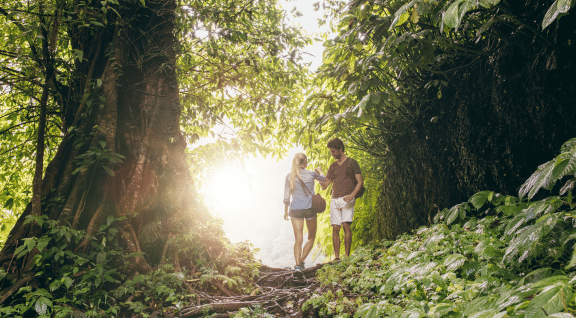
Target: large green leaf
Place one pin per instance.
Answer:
(368, 310)
(548, 173)
(454, 261)
(563, 5)
(550, 301)
(478, 199)
(402, 15)
(479, 304)
(530, 238)
(451, 17)
(42, 304)
(562, 315)
(550, 15)
(489, 313)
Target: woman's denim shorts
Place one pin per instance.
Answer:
(307, 214)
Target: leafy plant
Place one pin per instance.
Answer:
(553, 171)
(493, 256)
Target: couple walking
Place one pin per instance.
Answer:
(346, 179)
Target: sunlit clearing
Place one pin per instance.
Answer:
(230, 192)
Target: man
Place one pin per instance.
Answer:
(347, 180)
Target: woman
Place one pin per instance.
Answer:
(300, 186)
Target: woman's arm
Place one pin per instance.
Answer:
(287, 192)
(286, 198)
(324, 182)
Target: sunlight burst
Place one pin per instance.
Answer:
(230, 192)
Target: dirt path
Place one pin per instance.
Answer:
(282, 292)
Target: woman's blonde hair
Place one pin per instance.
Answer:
(299, 159)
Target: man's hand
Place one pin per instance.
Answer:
(349, 197)
(319, 171)
(286, 215)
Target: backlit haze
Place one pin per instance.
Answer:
(249, 200)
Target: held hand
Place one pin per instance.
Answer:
(319, 170)
(349, 198)
(286, 216)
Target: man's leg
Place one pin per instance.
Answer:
(347, 217)
(336, 222)
(336, 240)
(347, 237)
(298, 227)
(311, 225)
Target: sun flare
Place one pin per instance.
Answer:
(230, 191)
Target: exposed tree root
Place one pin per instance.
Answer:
(16, 287)
(282, 293)
(223, 289)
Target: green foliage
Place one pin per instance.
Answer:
(242, 80)
(257, 312)
(554, 170)
(238, 64)
(494, 256)
(92, 284)
(22, 78)
(7, 219)
(381, 89)
(98, 157)
(71, 281)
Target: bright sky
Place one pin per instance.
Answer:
(253, 209)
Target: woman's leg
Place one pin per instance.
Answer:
(311, 225)
(298, 227)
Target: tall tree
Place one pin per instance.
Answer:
(102, 79)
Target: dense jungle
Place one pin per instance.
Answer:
(460, 113)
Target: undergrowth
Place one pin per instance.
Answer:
(493, 256)
(76, 284)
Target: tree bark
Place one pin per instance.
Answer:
(125, 100)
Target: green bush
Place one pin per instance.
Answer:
(493, 256)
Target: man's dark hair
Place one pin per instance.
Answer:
(336, 143)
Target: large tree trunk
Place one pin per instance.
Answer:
(134, 113)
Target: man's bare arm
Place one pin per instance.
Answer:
(359, 183)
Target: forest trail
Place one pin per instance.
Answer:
(282, 292)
